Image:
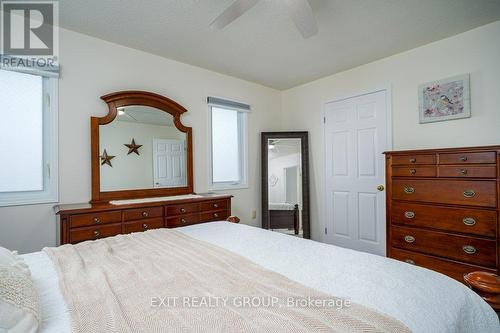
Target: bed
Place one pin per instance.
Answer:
(425, 301)
(284, 216)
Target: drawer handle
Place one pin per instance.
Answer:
(469, 193)
(97, 233)
(409, 190)
(97, 220)
(413, 171)
(145, 226)
(463, 158)
(463, 171)
(409, 261)
(413, 160)
(469, 221)
(409, 239)
(409, 215)
(145, 214)
(469, 249)
(183, 220)
(216, 215)
(183, 210)
(216, 205)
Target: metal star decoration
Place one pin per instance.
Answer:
(106, 159)
(133, 148)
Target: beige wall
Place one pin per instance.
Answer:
(476, 52)
(92, 68)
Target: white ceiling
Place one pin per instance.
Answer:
(263, 45)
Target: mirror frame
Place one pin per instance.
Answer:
(141, 98)
(304, 150)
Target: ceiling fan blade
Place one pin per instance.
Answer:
(237, 8)
(303, 17)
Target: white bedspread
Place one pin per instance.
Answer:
(281, 206)
(424, 300)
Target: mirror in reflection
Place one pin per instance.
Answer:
(149, 151)
(285, 186)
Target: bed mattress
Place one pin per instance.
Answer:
(425, 301)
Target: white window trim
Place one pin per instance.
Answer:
(50, 193)
(243, 138)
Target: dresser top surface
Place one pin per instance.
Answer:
(444, 150)
(80, 208)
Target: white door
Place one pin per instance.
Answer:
(169, 163)
(356, 135)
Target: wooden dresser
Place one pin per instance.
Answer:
(83, 222)
(442, 209)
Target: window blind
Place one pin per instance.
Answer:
(227, 104)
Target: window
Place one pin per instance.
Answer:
(28, 138)
(228, 150)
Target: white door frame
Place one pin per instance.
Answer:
(388, 98)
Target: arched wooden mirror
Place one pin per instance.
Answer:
(140, 148)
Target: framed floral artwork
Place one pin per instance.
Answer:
(445, 99)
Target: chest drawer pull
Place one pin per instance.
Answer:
(97, 220)
(216, 215)
(97, 233)
(409, 215)
(469, 249)
(469, 221)
(145, 226)
(216, 205)
(413, 160)
(463, 171)
(463, 158)
(409, 261)
(145, 214)
(183, 220)
(413, 171)
(409, 190)
(409, 239)
(469, 193)
(183, 210)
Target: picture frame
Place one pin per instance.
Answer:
(445, 99)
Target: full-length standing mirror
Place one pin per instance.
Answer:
(285, 183)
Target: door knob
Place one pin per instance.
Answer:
(380, 187)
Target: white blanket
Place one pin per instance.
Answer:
(281, 206)
(424, 300)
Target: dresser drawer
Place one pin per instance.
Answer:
(469, 221)
(471, 157)
(91, 233)
(447, 267)
(180, 221)
(143, 225)
(219, 215)
(467, 249)
(213, 205)
(466, 171)
(460, 192)
(142, 213)
(173, 210)
(414, 171)
(414, 159)
(84, 220)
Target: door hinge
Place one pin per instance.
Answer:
(324, 120)
(48, 170)
(326, 231)
(48, 101)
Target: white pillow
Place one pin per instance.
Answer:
(11, 258)
(19, 302)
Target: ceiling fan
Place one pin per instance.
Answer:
(300, 12)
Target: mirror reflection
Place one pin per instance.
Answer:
(142, 149)
(285, 186)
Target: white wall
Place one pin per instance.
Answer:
(92, 68)
(476, 52)
(277, 167)
(131, 171)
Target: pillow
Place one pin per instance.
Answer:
(19, 302)
(11, 258)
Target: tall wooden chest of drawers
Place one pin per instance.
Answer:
(442, 209)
